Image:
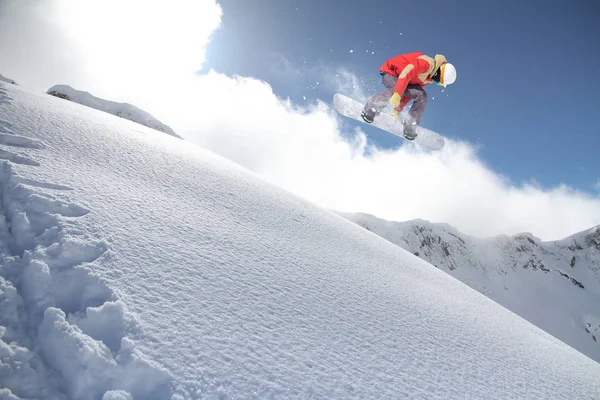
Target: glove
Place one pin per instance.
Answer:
(395, 100)
(395, 112)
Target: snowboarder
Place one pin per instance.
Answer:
(404, 77)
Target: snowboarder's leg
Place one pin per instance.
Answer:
(419, 95)
(378, 102)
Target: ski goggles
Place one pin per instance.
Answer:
(441, 72)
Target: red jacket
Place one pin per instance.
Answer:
(412, 68)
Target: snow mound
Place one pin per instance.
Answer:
(123, 110)
(140, 266)
(7, 80)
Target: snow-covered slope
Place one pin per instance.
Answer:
(555, 285)
(7, 80)
(138, 264)
(123, 110)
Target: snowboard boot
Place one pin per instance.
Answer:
(410, 129)
(368, 115)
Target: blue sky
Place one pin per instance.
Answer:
(528, 79)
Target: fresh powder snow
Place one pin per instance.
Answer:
(138, 266)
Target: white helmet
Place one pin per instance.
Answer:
(447, 74)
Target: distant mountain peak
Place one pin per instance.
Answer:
(549, 283)
(582, 240)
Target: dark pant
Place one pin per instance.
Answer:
(378, 102)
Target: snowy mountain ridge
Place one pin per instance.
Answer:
(123, 110)
(555, 285)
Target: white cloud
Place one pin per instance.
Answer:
(302, 150)
(149, 59)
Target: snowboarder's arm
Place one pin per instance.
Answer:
(405, 76)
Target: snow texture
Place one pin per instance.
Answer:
(137, 266)
(122, 110)
(555, 285)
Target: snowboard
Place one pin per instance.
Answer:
(351, 108)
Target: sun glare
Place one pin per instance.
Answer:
(127, 43)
